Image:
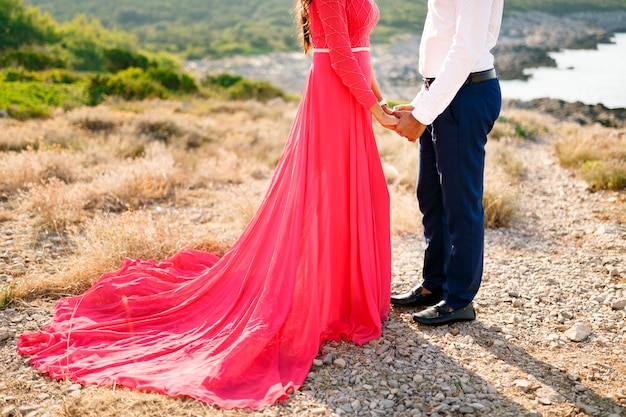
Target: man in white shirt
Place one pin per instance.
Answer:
(452, 115)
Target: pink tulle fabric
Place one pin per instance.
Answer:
(314, 264)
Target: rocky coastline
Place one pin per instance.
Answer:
(578, 112)
(526, 39)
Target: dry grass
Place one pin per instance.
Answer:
(19, 136)
(116, 401)
(104, 241)
(139, 185)
(503, 175)
(15, 136)
(54, 205)
(597, 153)
(20, 170)
(6, 215)
(107, 403)
(399, 158)
(145, 180)
(96, 119)
(521, 124)
(133, 183)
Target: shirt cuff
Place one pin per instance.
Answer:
(422, 114)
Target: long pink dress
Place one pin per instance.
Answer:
(314, 264)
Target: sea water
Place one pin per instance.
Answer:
(588, 76)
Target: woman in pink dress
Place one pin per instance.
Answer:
(314, 264)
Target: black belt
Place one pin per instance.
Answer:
(474, 77)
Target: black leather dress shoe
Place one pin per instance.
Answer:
(440, 314)
(415, 298)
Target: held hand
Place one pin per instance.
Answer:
(387, 121)
(408, 126)
(387, 110)
(403, 107)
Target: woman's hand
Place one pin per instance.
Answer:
(388, 121)
(387, 110)
(384, 116)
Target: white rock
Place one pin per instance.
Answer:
(340, 362)
(547, 396)
(578, 332)
(523, 384)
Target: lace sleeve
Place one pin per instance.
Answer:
(334, 20)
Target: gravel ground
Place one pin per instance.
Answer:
(549, 340)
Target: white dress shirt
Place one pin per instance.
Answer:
(457, 39)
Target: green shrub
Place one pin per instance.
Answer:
(7, 295)
(172, 80)
(86, 42)
(24, 26)
(238, 88)
(30, 60)
(137, 84)
(221, 80)
(163, 59)
(117, 59)
(55, 76)
(604, 175)
(258, 90)
(24, 100)
(167, 77)
(63, 77)
(129, 84)
(18, 75)
(97, 89)
(188, 83)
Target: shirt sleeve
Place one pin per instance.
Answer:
(472, 26)
(334, 20)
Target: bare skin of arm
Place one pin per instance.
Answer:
(383, 113)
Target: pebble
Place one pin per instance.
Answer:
(547, 395)
(523, 384)
(4, 334)
(578, 332)
(619, 304)
(340, 362)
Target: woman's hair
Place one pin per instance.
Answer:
(303, 18)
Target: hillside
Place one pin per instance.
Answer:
(196, 28)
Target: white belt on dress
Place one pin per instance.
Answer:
(357, 49)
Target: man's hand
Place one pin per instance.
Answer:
(408, 126)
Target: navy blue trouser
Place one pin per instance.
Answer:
(450, 192)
